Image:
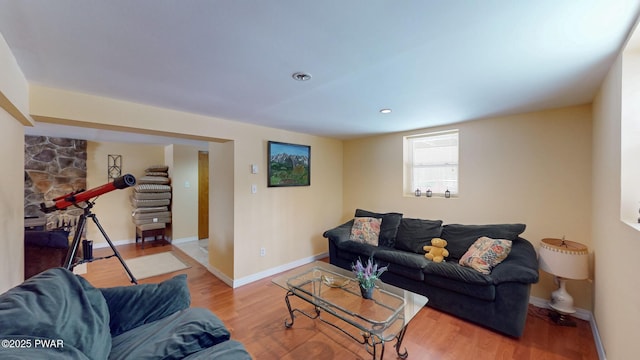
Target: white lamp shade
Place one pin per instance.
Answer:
(565, 259)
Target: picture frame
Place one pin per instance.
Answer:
(288, 164)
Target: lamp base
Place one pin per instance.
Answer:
(561, 300)
(561, 319)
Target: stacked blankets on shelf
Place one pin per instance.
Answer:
(150, 198)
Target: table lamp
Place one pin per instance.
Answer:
(565, 260)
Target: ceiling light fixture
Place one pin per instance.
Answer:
(385, 111)
(301, 76)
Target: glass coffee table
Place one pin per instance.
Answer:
(333, 291)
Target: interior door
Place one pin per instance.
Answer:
(203, 195)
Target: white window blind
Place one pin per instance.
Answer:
(431, 162)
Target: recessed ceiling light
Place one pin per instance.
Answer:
(301, 76)
(385, 111)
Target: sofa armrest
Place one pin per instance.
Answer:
(44, 250)
(58, 239)
(340, 233)
(520, 266)
(132, 306)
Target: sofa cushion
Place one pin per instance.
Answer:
(56, 304)
(132, 306)
(138, 215)
(149, 179)
(173, 337)
(402, 263)
(228, 350)
(388, 227)
(150, 196)
(414, 234)
(157, 173)
(485, 254)
(484, 292)
(365, 230)
(451, 276)
(351, 250)
(139, 203)
(460, 237)
(152, 188)
(157, 168)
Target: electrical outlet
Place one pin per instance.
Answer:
(263, 251)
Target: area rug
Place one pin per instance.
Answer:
(157, 264)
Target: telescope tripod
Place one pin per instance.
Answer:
(82, 221)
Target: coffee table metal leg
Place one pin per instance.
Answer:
(371, 342)
(371, 345)
(288, 323)
(398, 344)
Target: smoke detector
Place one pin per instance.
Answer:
(301, 76)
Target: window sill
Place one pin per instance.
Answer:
(434, 196)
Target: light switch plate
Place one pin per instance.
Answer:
(254, 168)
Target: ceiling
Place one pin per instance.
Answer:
(431, 62)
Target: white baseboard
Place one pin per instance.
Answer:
(263, 274)
(581, 314)
(104, 244)
(278, 269)
(220, 275)
(184, 240)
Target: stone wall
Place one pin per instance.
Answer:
(53, 167)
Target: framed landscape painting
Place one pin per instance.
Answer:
(289, 164)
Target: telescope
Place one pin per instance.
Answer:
(64, 201)
(73, 198)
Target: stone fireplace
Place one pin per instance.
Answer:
(53, 167)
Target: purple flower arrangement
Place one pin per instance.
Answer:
(367, 274)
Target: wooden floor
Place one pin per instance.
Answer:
(255, 315)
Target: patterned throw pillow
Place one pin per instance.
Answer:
(366, 230)
(485, 254)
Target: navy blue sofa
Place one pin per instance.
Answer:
(59, 315)
(44, 250)
(498, 301)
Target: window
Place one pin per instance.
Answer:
(431, 162)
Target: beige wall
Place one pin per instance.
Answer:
(616, 245)
(13, 115)
(287, 222)
(221, 207)
(14, 97)
(184, 168)
(113, 209)
(11, 200)
(630, 136)
(531, 168)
